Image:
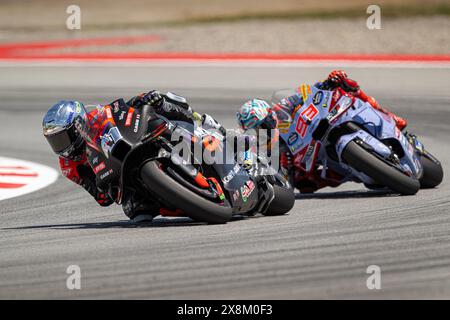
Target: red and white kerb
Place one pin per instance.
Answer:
(19, 177)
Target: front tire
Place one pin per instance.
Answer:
(384, 174)
(169, 191)
(432, 173)
(282, 203)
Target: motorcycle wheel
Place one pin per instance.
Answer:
(169, 191)
(380, 171)
(282, 203)
(432, 173)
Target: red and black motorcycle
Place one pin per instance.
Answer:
(133, 149)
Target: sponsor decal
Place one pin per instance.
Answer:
(334, 98)
(66, 172)
(247, 190)
(122, 115)
(305, 90)
(317, 99)
(78, 107)
(129, 117)
(310, 156)
(110, 139)
(100, 110)
(309, 151)
(231, 174)
(284, 126)
(116, 106)
(305, 119)
(136, 123)
(333, 113)
(99, 168)
(236, 195)
(108, 112)
(310, 113)
(325, 99)
(106, 174)
(293, 137)
(418, 145)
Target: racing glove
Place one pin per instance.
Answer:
(152, 98)
(166, 108)
(87, 181)
(209, 122)
(339, 78)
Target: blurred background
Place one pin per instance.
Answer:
(284, 26)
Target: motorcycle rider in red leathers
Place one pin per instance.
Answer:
(257, 113)
(65, 139)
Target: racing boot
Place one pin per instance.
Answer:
(138, 209)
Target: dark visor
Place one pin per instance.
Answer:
(62, 140)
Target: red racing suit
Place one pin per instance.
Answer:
(79, 171)
(340, 84)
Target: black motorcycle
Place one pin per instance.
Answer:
(135, 151)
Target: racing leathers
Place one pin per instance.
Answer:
(78, 169)
(340, 84)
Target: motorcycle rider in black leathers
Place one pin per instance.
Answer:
(67, 142)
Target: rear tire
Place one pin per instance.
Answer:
(282, 203)
(432, 173)
(381, 172)
(169, 191)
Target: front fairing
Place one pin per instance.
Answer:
(107, 127)
(306, 119)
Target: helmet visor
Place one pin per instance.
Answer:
(62, 140)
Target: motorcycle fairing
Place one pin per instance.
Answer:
(378, 127)
(306, 120)
(125, 124)
(239, 185)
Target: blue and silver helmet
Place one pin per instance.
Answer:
(60, 130)
(256, 113)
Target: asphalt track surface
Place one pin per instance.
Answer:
(320, 250)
